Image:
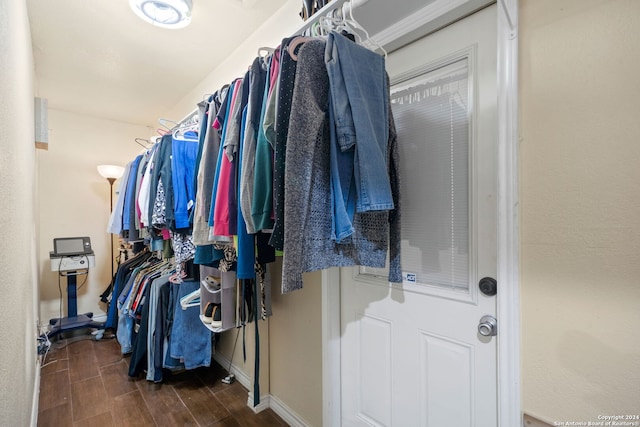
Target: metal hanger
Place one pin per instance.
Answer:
(143, 142)
(167, 123)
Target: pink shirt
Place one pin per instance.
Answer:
(221, 215)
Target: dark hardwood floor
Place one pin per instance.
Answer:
(85, 383)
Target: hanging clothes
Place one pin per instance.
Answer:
(262, 202)
(121, 276)
(308, 243)
(145, 188)
(223, 218)
(358, 105)
(246, 241)
(155, 334)
(222, 122)
(286, 83)
(115, 220)
(205, 172)
(190, 341)
(130, 232)
(184, 149)
(161, 202)
(276, 161)
(258, 78)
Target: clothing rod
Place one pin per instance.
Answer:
(188, 116)
(329, 7)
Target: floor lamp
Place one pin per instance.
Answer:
(111, 173)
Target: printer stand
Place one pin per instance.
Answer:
(73, 320)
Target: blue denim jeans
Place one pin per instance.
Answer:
(343, 186)
(359, 101)
(124, 331)
(190, 340)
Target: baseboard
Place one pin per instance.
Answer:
(246, 382)
(287, 414)
(266, 401)
(529, 421)
(36, 395)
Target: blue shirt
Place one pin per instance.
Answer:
(184, 150)
(130, 195)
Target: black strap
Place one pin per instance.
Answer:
(256, 373)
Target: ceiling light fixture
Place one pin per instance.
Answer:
(163, 13)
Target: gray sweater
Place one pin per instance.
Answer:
(308, 245)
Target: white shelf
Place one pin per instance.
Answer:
(211, 328)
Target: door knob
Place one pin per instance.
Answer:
(488, 326)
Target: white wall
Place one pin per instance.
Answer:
(580, 205)
(74, 199)
(18, 286)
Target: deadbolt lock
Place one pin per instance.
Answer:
(488, 286)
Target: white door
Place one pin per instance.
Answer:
(411, 354)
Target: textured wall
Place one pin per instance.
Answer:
(74, 199)
(295, 333)
(580, 204)
(18, 285)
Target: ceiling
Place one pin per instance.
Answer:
(98, 58)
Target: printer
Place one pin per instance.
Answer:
(71, 253)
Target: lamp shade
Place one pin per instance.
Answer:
(110, 171)
(163, 13)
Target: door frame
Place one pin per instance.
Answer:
(429, 19)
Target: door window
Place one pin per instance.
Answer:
(432, 112)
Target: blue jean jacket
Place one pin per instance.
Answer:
(359, 125)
